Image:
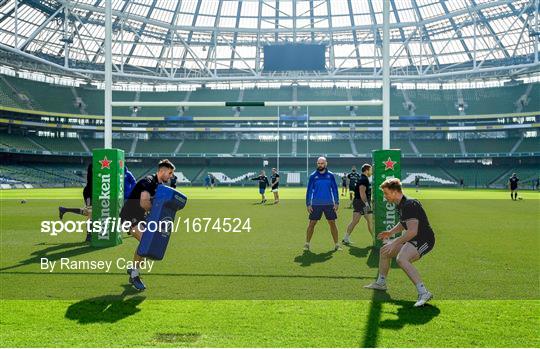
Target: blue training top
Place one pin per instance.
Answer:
(322, 189)
(129, 182)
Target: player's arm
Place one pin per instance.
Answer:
(335, 193)
(174, 179)
(130, 178)
(308, 193)
(363, 195)
(412, 230)
(276, 181)
(398, 228)
(145, 201)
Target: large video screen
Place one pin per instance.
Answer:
(294, 57)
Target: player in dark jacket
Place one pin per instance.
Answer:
(263, 183)
(513, 185)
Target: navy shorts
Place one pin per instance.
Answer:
(423, 246)
(87, 196)
(360, 207)
(318, 210)
(261, 191)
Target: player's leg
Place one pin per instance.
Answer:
(263, 198)
(384, 267)
(405, 259)
(354, 221)
(87, 197)
(406, 256)
(309, 233)
(331, 216)
(87, 212)
(276, 196)
(134, 274)
(335, 234)
(369, 222)
(63, 210)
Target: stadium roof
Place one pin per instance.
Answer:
(222, 40)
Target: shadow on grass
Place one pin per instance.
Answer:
(308, 258)
(372, 254)
(54, 252)
(406, 314)
(106, 309)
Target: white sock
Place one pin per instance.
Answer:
(421, 288)
(347, 237)
(381, 280)
(307, 243)
(134, 273)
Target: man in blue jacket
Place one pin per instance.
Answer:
(129, 182)
(322, 197)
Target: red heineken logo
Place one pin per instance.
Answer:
(389, 164)
(121, 163)
(105, 163)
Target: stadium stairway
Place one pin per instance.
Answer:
(413, 147)
(198, 178)
(58, 174)
(85, 147)
(503, 176)
(37, 144)
(428, 175)
(449, 174)
(225, 179)
(516, 146)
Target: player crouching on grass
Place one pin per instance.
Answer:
(137, 207)
(361, 203)
(322, 196)
(417, 240)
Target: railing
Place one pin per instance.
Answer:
(259, 155)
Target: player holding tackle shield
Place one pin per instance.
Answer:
(136, 209)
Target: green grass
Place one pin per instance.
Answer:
(258, 289)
